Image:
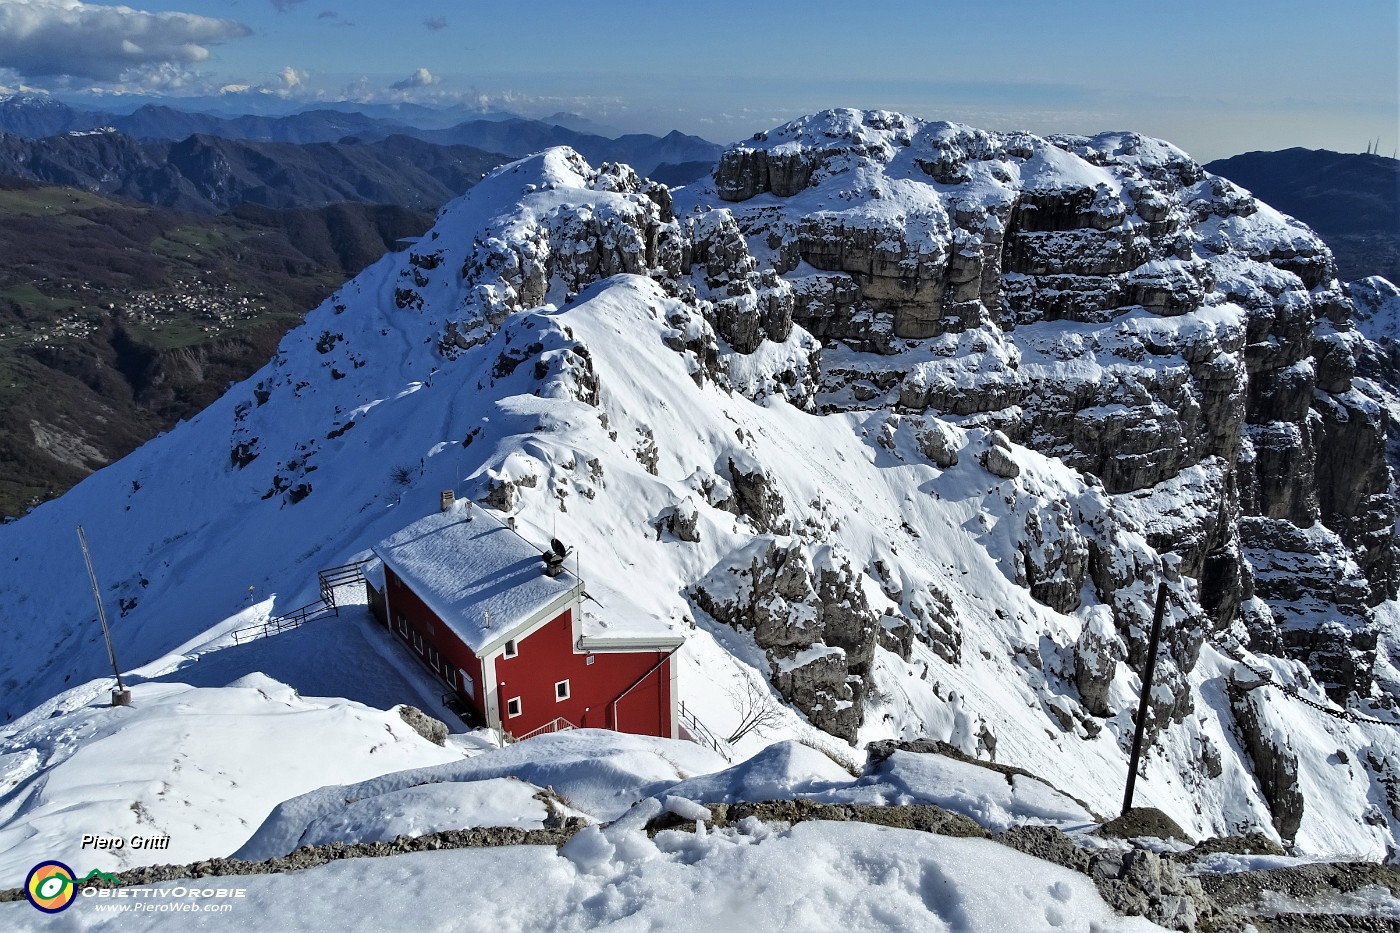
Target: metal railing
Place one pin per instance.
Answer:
(334, 577)
(701, 735)
(278, 624)
(330, 579)
(455, 705)
(558, 724)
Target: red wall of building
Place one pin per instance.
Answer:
(542, 659)
(547, 656)
(403, 602)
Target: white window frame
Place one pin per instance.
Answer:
(561, 697)
(418, 642)
(519, 708)
(468, 685)
(403, 624)
(510, 649)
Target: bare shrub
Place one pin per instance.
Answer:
(757, 710)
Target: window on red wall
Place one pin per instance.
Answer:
(418, 642)
(513, 707)
(561, 691)
(509, 650)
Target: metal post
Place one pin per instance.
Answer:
(120, 696)
(1146, 691)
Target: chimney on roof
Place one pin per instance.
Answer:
(447, 499)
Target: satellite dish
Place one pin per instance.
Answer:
(558, 547)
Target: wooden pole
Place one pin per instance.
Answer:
(121, 696)
(1151, 667)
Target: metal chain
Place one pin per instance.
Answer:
(1266, 679)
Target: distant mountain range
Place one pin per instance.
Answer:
(38, 117)
(515, 138)
(1351, 199)
(210, 174)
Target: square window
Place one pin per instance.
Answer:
(418, 642)
(509, 651)
(403, 626)
(561, 691)
(513, 707)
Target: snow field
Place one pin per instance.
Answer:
(814, 877)
(201, 765)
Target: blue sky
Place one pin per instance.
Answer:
(1215, 77)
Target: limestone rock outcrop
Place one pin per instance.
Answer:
(805, 606)
(1105, 301)
(1275, 759)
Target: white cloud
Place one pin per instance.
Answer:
(420, 78)
(52, 38)
(288, 84)
(290, 78)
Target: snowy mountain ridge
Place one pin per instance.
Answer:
(904, 421)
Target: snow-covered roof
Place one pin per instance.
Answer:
(611, 620)
(482, 579)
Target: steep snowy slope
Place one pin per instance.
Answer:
(854, 525)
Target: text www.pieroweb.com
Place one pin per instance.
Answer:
(170, 907)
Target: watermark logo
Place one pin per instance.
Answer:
(51, 886)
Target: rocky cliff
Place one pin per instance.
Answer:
(1104, 301)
